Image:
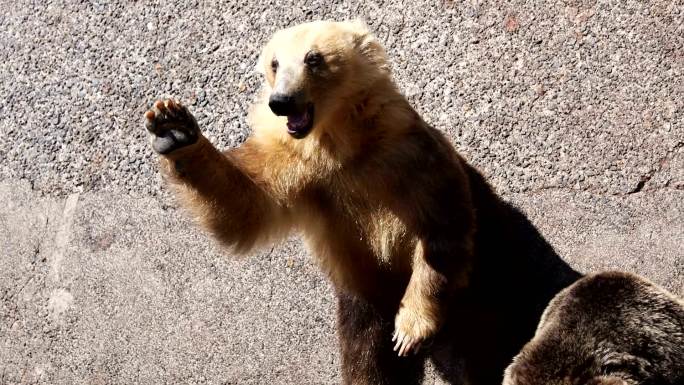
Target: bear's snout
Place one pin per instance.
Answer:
(283, 105)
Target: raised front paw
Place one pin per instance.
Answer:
(172, 126)
(411, 328)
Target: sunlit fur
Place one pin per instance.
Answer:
(385, 204)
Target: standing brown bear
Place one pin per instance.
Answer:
(417, 245)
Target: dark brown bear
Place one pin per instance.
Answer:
(606, 329)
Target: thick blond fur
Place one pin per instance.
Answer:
(381, 198)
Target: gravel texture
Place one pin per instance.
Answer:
(573, 109)
(578, 94)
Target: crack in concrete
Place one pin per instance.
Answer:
(639, 188)
(594, 191)
(658, 167)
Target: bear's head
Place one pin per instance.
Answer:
(312, 70)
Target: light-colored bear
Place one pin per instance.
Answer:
(414, 240)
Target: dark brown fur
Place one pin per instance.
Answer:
(606, 329)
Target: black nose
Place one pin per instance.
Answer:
(282, 105)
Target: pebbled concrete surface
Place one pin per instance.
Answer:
(573, 109)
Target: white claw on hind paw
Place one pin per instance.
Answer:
(404, 344)
(411, 328)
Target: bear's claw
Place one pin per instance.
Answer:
(172, 126)
(404, 344)
(411, 329)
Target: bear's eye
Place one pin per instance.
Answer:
(274, 65)
(313, 59)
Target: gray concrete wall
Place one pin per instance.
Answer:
(572, 109)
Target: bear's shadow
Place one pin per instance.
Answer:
(516, 273)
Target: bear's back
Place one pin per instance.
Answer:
(624, 317)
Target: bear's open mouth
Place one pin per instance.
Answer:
(300, 124)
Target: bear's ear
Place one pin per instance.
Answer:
(366, 44)
(361, 33)
(359, 26)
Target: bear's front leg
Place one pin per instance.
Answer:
(437, 272)
(215, 187)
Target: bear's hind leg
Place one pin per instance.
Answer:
(366, 347)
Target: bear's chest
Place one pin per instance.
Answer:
(351, 226)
